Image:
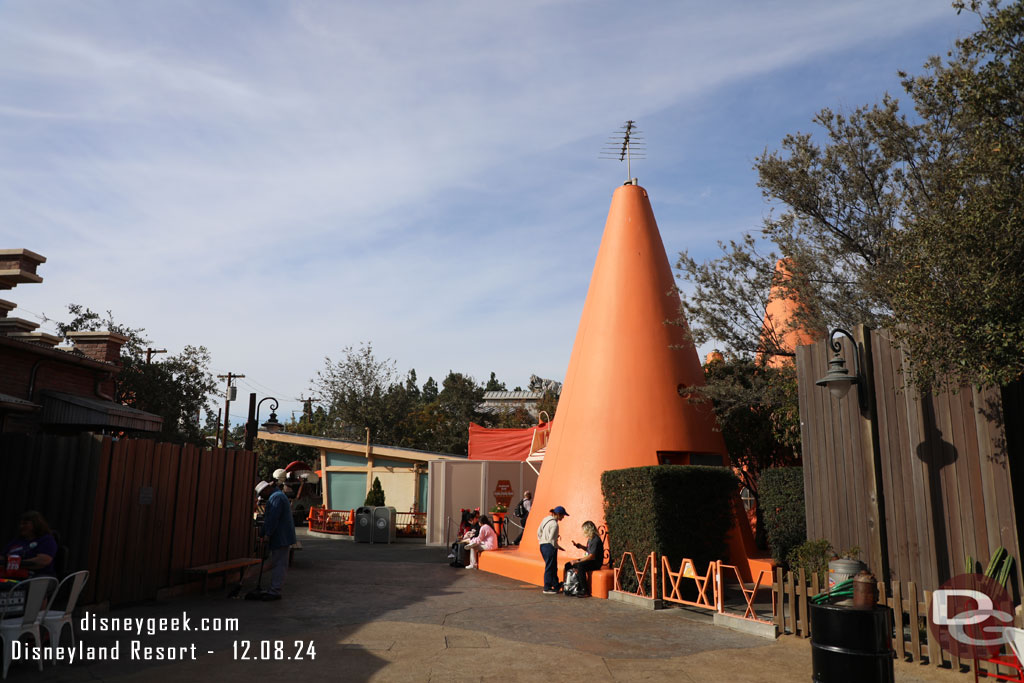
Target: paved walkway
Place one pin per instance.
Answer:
(400, 613)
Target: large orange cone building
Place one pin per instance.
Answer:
(622, 403)
(780, 318)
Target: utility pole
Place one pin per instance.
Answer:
(152, 352)
(307, 408)
(227, 401)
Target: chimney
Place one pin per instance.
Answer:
(18, 266)
(43, 338)
(103, 345)
(16, 325)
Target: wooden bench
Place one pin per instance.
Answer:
(208, 570)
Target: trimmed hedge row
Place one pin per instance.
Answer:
(780, 493)
(674, 510)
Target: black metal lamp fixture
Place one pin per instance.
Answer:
(271, 425)
(838, 380)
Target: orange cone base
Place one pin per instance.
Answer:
(528, 568)
(743, 552)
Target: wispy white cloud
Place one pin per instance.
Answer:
(278, 180)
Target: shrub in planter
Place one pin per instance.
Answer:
(674, 510)
(813, 557)
(781, 494)
(376, 494)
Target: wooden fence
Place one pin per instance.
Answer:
(917, 481)
(912, 639)
(135, 513)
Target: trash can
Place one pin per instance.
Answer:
(851, 645)
(384, 524)
(843, 570)
(364, 525)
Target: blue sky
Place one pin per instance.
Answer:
(278, 180)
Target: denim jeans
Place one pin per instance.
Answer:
(550, 555)
(278, 567)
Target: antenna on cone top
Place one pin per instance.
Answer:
(625, 145)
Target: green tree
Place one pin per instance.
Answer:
(355, 390)
(458, 404)
(375, 496)
(430, 390)
(177, 388)
(758, 413)
(515, 417)
(729, 301)
(494, 385)
(911, 222)
(548, 403)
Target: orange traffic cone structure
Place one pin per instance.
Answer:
(780, 319)
(623, 402)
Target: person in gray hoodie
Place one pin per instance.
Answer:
(547, 536)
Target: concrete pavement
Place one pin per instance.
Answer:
(400, 613)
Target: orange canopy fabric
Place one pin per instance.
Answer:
(501, 444)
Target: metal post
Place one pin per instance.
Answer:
(250, 424)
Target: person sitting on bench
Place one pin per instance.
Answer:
(594, 558)
(486, 539)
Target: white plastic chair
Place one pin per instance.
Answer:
(36, 591)
(54, 619)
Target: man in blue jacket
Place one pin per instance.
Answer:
(279, 532)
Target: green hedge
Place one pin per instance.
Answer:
(780, 493)
(674, 510)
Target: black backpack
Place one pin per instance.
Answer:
(520, 510)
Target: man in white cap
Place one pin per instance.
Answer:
(547, 536)
(279, 532)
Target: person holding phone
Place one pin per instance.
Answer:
(594, 558)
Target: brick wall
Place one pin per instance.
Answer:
(53, 373)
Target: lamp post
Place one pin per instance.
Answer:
(838, 380)
(271, 425)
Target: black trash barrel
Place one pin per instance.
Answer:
(364, 525)
(850, 645)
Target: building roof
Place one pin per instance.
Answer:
(72, 356)
(513, 395)
(78, 411)
(13, 403)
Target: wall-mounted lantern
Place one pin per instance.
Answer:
(838, 380)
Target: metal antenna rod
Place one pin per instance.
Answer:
(627, 145)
